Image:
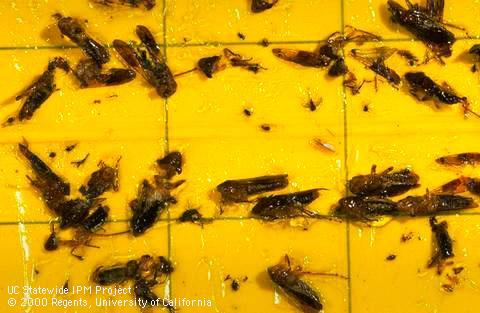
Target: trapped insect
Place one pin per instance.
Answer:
(171, 164)
(386, 183)
(431, 203)
(74, 30)
(147, 4)
(100, 181)
(89, 73)
(374, 59)
(423, 88)
(328, 53)
(39, 91)
(52, 187)
(364, 209)
(468, 158)
(148, 62)
(425, 23)
(290, 282)
(443, 244)
(289, 205)
(460, 185)
(148, 206)
(240, 190)
(262, 5)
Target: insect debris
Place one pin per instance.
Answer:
(80, 162)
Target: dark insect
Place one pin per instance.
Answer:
(262, 5)
(114, 275)
(52, 241)
(95, 220)
(338, 68)
(89, 74)
(74, 211)
(147, 4)
(387, 183)
(364, 209)
(460, 185)
(475, 50)
(240, 190)
(248, 112)
(289, 281)
(100, 181)
(312, 106)
(425, 23)
(72, 28)
(211, 65)
(468, 158)
(39, 91)
(148, 205)
(289, 205)
(80, 162)
(264, 42)
(241, 36)
(235, 284)
(391, 257)
(165, 266)
(266, 127)
(148, 62)
(236, 60)
(424, 88)
(374, 59)
(52, 155)
(50, 185)
(327, 53)
(171, 163)
(142, 291)
(191, 215)
(443, 243)
(146, 268)
(434, 203)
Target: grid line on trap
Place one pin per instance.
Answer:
(345, 162)
(226, 43)
(166, 149)
(241, 218)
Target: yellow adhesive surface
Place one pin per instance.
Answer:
(204, 120)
